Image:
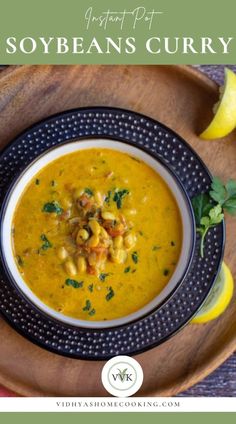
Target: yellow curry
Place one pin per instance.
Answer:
(97, 234)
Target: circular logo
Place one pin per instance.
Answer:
(122, 376)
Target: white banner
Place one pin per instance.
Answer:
(112, 404)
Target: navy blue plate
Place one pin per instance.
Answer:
(155, 328)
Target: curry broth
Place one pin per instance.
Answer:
(148, 209)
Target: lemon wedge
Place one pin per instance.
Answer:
(219, 297)
(224, 120)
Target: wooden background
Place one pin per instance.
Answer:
(50, 89)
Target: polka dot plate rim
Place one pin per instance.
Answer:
(155, 328)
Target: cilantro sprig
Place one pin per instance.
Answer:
(225, 195)
(207, 213)
(214, 217)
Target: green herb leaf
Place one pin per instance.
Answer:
(225, 195)
(90, 288)
(74, 283)
(201, 206)
(92, 312)
(216, 215)
(134, 257)
(108, 197)
(52, 207)
(230, 205)
(205, 221)
(37, 181)
(218, 190)
(110, 294)
(88, 191)
(231, 188)
(47, 244)
(87, 306)
(166, 272)
(103, 276)
(119, 196)
(127, 269)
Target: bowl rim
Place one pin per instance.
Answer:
(114, 323)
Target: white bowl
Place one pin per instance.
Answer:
(168, 176)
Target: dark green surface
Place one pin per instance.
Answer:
(179, 18)
(116, 418)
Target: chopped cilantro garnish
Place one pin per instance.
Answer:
(87, 306)
(103, 276)
(110, 293)
(46, 243)
(53, 183)
(135, 257)
(108, 197)
(119, 196)
(127, 269)
(166, 272)
(90, 288)
(172, 243)
(52, 207)
(74, 283)
(88, 191)
(37, 181)
(92, 312)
